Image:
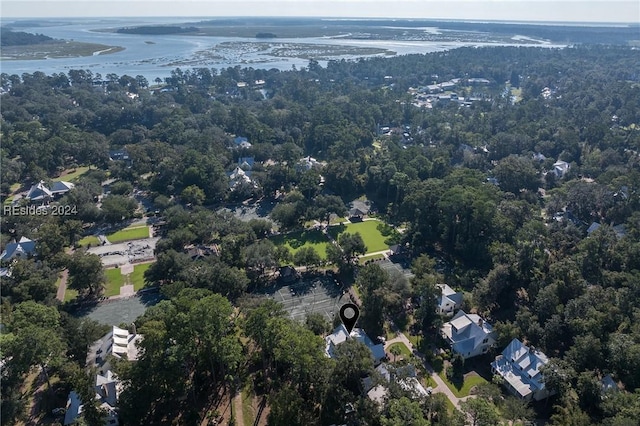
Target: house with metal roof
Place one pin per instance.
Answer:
(449, 300)
(340, 335)
(468, 334)
(520, 366)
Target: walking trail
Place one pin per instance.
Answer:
(237, 409)
(64, 277)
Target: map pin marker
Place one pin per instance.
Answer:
(349, 314)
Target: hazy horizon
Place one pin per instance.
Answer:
(530, 11)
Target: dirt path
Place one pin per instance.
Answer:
(237, 409)
(62, 287)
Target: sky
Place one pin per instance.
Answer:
(623, 11)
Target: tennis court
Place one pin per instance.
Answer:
(322, 294)
(390, 266)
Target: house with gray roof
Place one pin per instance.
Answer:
(468, 334)
(39, 193)
(22, 249)
(340, 335)
(520, 366)
(61, 187)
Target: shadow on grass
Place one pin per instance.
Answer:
(299, 239)
(336, 230)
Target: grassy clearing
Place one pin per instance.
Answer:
(517, 94)
(137, 276)
(71, 174)
(413, 339)
(57, 49)
(404, 350)
(133, 233)
(115, 279)
(70, 294)
(470, 380)
(373, 239)
(91, 240)
(356, 290)
(337, 220)
(296, 240)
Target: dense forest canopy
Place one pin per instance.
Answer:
(21, 38)
(500, 188)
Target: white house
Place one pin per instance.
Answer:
(119, 343)
(107, 389)
(375, 391)
(107, 393)
(560, 168)
(519, 366)
(340, 335)
(308, 163)
(468, 334)
(241, 142)
(448, 300)
(239, 178)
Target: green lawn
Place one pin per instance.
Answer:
(296, 240)
(470, 381)
(89, 240)
(70, 294)
(404, 350)
(134, 233)
(73, 175)
(413, 339)
(337, 220)
(115, 279)
(450, 407)
(137, 276)
(373, 239)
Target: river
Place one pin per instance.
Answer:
(155, 56)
